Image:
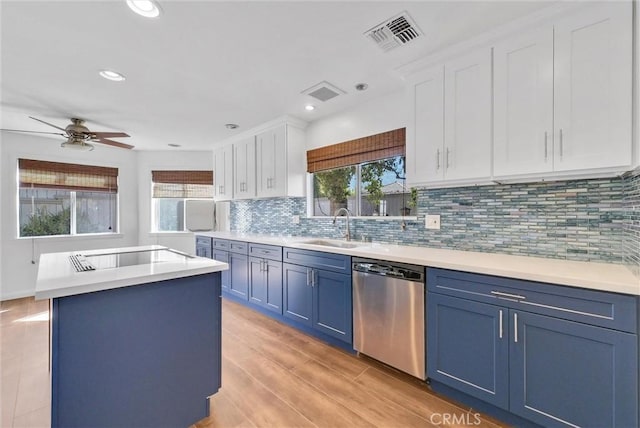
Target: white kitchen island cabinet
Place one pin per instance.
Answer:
(563, 96)
(136, 345)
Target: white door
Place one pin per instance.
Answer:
(244, 157)
(424, 150)
(467, 116)
(523, 104)
(593, 72)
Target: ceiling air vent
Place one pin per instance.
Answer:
(323, 91)
(394, 32)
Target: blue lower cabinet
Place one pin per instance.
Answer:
(468, 348)
(565, 373)
(223, 256)
(332, 311)
(297, 293)
(265, 283)
(239, 275)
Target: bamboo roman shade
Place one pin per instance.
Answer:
(70, 176)
(182, 184)
(366, 149)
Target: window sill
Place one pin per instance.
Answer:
(82, 237)
(369, 217)
(181, 233)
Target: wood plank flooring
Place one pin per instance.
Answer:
(276, 376)
(272, 376)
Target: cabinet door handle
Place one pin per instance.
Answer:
(515, 327)
(545, 146)
(561, 145)
(508, 295)
(500, 327)
(308, 278)
(438, 160)
(447, 163)
(313, 277)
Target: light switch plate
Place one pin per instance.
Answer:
(432, 221)
(295, 219)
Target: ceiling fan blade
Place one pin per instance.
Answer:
(34, 132)
(113, 143)
(100, 135)
(47, 123)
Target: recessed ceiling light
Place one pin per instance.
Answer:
(174, 145)
(231, 125)
(361, 86)
(309, 107)
(146, 8)
(112, 75)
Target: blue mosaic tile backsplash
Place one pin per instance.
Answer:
(631, 224)
(589, 220)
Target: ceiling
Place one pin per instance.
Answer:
(203, 64)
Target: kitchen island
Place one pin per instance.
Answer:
(135, 338)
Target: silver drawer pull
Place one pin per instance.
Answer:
(507, 295)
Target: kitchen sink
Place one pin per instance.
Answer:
(336, 244)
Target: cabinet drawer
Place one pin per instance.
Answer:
(316, 259)
(610, 310)
(221, 244)
(239, 247)
(272, 252)
(203, 240)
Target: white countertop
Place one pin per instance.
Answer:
(58, 278)
(596, 276)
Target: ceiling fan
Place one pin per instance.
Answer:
(78, 135)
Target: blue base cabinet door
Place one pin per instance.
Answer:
(468, 347)
(332, 312)
(297, 293)
(223, 256)
(238, 271)
(265, 283)
(565, 373)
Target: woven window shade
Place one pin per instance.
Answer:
(182, 184)
(70, 176)
(366, 149)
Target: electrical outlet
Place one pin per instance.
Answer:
(295, 219)
(432, 221)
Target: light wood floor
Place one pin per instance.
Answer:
(272, 376)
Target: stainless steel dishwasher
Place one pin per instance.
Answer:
(389, 314)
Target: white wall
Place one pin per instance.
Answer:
(149, 161)
(18, 273)
(378, 115)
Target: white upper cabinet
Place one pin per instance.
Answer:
(244, 171)
(424, 155)
(280, 162)
(593, 75)
(523, 106)
(467, 117)
(223, 173)
(562, 101)
(451, 138)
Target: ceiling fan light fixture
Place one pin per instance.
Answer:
(78, 145)
(146, 8)
(112, 75)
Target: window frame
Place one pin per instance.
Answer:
(357, 195)
(73, 234)
(175, 177)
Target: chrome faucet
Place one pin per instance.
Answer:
(346, 235)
